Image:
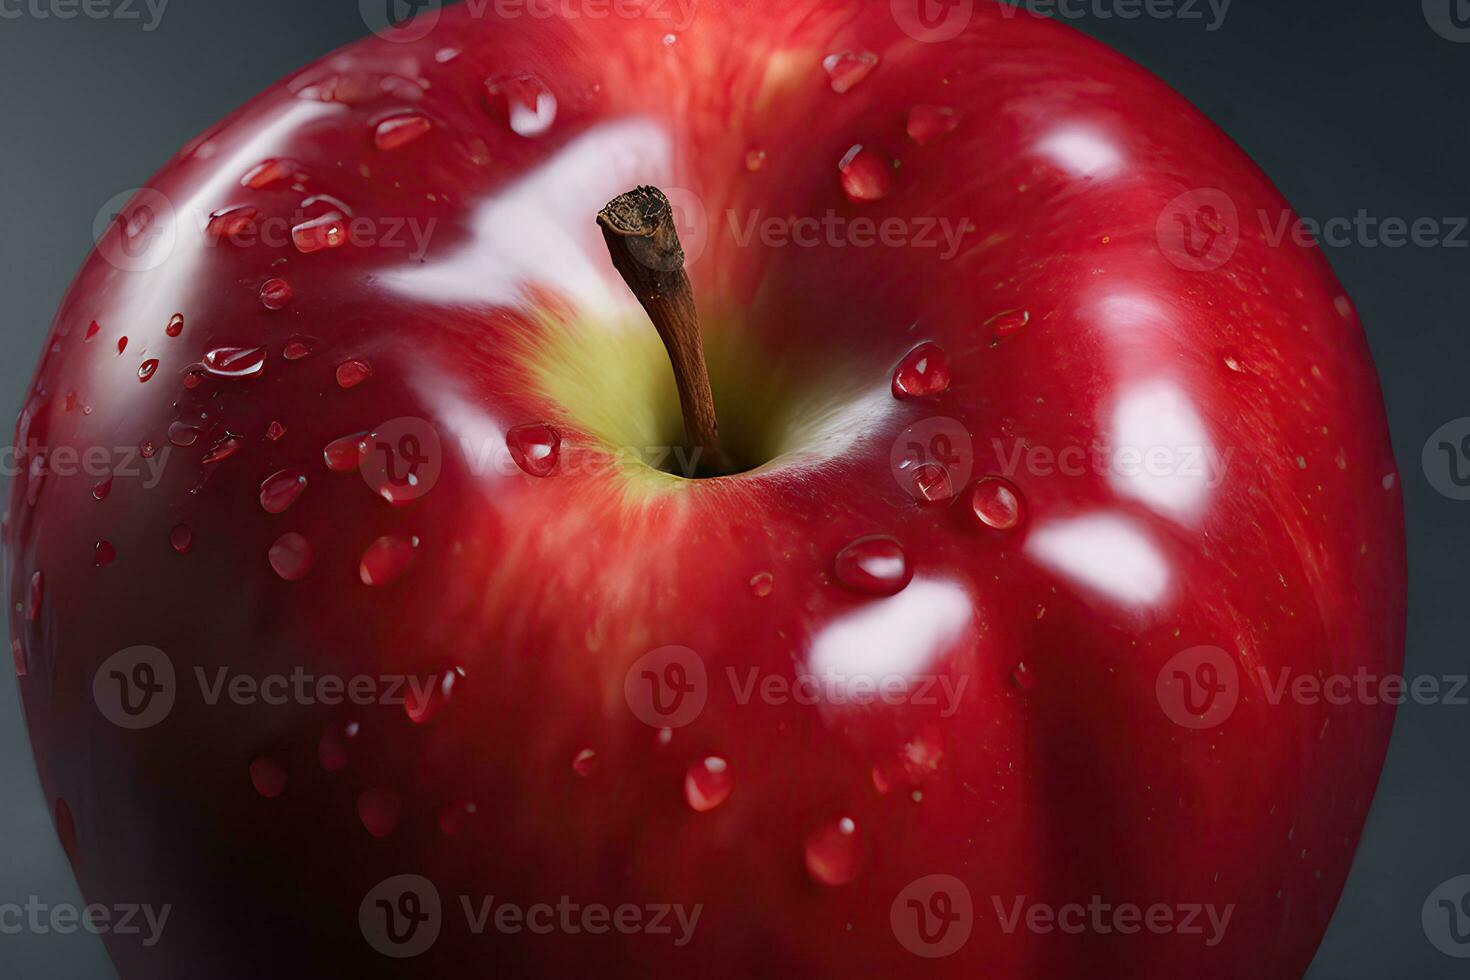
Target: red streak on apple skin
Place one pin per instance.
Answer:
(1074, 315)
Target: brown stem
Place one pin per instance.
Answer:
(645, 249)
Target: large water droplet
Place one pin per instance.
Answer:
(762, 583)
(998, 503)
(929, 122)
(175, 325)
(1023, 677)
(235, 363)
(291, 556)
(846, 69)
(529, 105)
(535, 448)
(755, 160)
(281, 489)
(426, 697)
(268, 777)
(345, 454)
(584, 763)
(297, 348)
(180, 538)
(327, 231)
(276, 293)
(932, 483)
(93, 329)
(708, 783)
(353, 373)
(102, 489)
(834, 852)
(227, 446)
(183, 434)
(923, 371)
(1007, 324)
(103, 554)
(147, 449)
(275, 431)
(227, 223)
(269, 172)
(378, 808)
(875, 564)
(398, 131)
(386, 558)
(866, 174)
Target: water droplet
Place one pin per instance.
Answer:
(932, 483)
(227, 223)
(276, 293)
(268, 777)
(866, 175)
(18, 654)
(180, 538)
(275, 431)
(227, 446)
(345, 454)
(584, 763)
(875, 564)
(327, 231)
(331, 750)
(834, 853)
(235, 363)
(1023, 677)
(445, 55)
(103, 554)
(35, 479)
(427, 697)
(708, 783)
(175, 325)
(147, 449)
(291, 556)
(755, 160)
(1005, 325)
(183, 434)
(269, 172)
(761, 583)
(281, 489)
(530, 106)
(102, 489)
(929, 122)
(398, 131)
(93, 329)
(297, 348)
(386, 558)
(846, 69)
(353, 373)
(193, 378)
(122, 344)
(456, 817)
(998, 503)
(924, 371)
(378, 809)
(670, 40)
(535, 448)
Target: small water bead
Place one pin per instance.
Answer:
(175, 325)
(37, 592)
(932, 483)
(530, 106)
(35, 479)
(866, 174)
(282, 489)
(332, 749)
(378, 808)
(268, 777)
(229, 223)
(227, 446)
(93, 329)
(297, 348)
(456, 817)
(1023, 677)
(102, 489)
(180, 538)
(269, 172)
(147, 369)
(291, 557)
(103, 554)
(319, 234)
(875, 564)
(762, 583)
(928, 123)
(998, 503)
(445, 55)
(426, 697)
(584, 763)
(1005, 325)
(834, 853)
(755, 160)
(147, 449)
(193, 378)
(535, 448)
(397, 131)
(345, 454)
(845, 69)
(353, 373)
(122, 344)
(183, 434)
(386, 558)
(923, 372)
(275, 431)
(235, 363)
(276, 293)
(18, 654)
(708, 783)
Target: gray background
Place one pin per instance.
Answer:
(1347, 104)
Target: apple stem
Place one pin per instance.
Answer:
(644, 245)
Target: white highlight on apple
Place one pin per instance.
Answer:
(1105, 553)
(1163, 456)
(1082, 151)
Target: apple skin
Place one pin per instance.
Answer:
(1057, 776)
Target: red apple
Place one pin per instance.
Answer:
(1038, 433)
